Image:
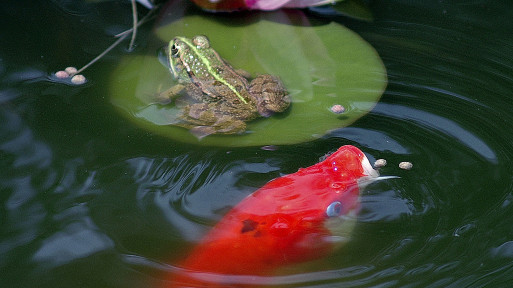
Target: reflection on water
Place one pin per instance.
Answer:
(44, 226)
(439, 124)
(22, 212)
(87, 199)
(75, 241)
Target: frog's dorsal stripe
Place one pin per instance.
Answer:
(210, 69)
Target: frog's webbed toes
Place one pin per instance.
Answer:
(162, 99)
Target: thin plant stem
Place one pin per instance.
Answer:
(121, 36)
(134, 29)
(102, 54)
(142, 21)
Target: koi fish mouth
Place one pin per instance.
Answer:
(367, 168)
(371, 175)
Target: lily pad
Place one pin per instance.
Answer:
(321, 66)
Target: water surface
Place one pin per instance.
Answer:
(90, 200)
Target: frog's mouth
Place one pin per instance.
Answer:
(162, 55)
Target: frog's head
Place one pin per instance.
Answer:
(184, 53)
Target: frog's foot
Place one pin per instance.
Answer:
(232, 128)
(202, 121)
(271, 95)
(202, 131)
(167, 96)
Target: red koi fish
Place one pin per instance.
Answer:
(292, 219)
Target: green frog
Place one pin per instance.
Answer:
(215, 97)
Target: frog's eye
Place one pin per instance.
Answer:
(174, 50)
(201, 41)
(334, 209)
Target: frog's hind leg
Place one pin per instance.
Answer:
(202, 131)
(229, 125)
(271, 95)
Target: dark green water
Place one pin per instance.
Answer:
(90, 200)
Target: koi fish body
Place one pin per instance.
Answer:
(292, 219)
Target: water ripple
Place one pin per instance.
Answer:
(441, 125)
(69, 218)
(41, 216)
(187, 189)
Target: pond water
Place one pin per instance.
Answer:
(88, 199)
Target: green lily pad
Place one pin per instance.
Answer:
(321, 66)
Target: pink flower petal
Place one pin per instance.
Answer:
(266, 4)
(275, 4)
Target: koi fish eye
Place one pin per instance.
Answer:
(334, 209)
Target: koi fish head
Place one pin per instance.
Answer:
(352, 171)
